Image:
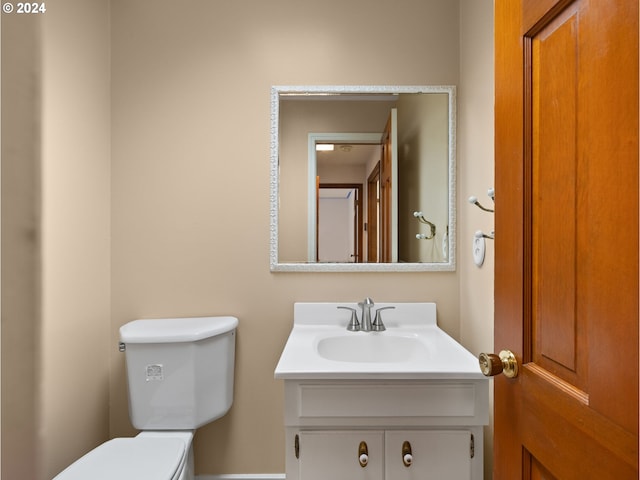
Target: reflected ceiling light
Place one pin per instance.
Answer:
(324, 147)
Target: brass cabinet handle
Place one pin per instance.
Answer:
(407, 456)
(492, 364)
(363, 454)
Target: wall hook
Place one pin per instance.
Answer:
(423, 236)
(491, 193)
(474, 201)
(421, 219)
(481, 234)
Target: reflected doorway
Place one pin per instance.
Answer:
(339, 229)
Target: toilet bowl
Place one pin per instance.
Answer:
(180, 374)
(148, 456)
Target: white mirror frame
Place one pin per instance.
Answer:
(277, 266)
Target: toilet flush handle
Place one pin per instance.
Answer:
(122, 346)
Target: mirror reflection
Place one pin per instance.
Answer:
(363, 178)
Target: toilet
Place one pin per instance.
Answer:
(180, 376)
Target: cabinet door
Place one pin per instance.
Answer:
(335, 455)
(436, 455)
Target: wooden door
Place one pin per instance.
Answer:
(373, 209)
(388, 194)
(566, 267)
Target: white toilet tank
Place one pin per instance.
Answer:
(179, 370)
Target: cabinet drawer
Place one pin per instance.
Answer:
(419, 400)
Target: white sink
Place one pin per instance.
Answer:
(412, 347)
(372, 347)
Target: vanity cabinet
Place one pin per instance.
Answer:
(439, 420)
(433, 454)
(411, 383)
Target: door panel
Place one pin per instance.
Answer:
(334, 455)
(566, 274)
(538, 472)
(557, 182)
(435, 455)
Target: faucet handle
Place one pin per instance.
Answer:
(354, 324)
(377, 325)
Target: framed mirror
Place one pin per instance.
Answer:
(363, 178)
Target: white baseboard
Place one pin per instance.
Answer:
(250, 476)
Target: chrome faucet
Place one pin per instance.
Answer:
(366, 305)
(366, 325)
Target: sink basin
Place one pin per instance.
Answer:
(412, 347)
(371, 347)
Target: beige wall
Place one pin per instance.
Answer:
(75, 203)
(187, 165)
(191, 113)
(476, 167)
(61, 325)
(20, 265)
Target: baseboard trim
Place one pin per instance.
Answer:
(249, 476)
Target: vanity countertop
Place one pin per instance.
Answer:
(320, 347)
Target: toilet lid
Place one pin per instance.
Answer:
(134, 458)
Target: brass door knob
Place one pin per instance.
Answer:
(492, 364)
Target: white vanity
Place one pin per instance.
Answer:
(405, 403)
